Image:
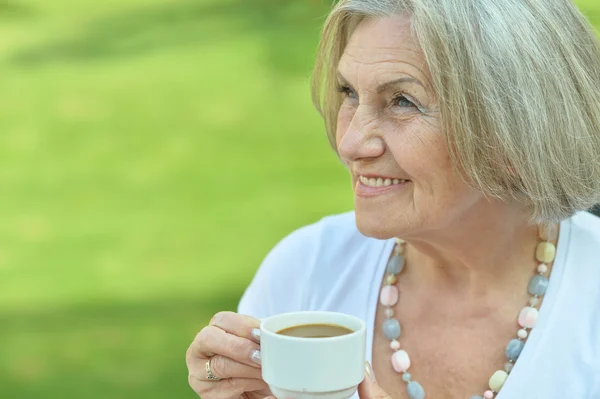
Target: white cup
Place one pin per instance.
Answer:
(312, 368)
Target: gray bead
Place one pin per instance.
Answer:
(396, 264)
(406, 377)
(391, 329)
(415, 390)
(538, 285)
(514, 348)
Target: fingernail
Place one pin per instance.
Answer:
(369, 371)
(255, 357)
(256, 334)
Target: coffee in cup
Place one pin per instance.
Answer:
(313, 355)
(315, 331)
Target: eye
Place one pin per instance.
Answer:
(347, 91)
(402, 101)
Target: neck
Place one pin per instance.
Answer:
(481, 255)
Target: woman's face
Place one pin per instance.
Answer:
(389, 135)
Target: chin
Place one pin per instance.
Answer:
(375, 226)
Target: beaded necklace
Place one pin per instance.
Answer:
(545, 253)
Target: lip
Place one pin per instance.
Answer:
(362, 190)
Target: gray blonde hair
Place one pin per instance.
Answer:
(518, 88)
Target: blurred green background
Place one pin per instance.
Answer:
(151, 153)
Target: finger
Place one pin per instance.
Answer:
(264, 393)
(213, 341)
(237, 386)
(237, 324)
(224, 367)
(225, 389)
(369, 388)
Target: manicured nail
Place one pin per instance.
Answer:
(256, 334)
(369, 371)
(255, 357)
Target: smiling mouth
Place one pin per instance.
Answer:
(380, 182)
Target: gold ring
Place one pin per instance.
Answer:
(209, 374)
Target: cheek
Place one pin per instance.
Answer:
(421, 151)
(344, 119)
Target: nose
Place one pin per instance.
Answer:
(362, 140)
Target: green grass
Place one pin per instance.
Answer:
(151, 153)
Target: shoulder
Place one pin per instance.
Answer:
(583, 242)
(331, 234)
(299, 270)
(325, 247)
(579, 254)
(586, 225)
(319, 248)
(577, 285)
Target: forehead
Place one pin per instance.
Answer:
(383, 44)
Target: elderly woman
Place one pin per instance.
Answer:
(471, 132)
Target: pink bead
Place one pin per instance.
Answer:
(528, 317)
(395, 345)
(488, 394)
(400, 361)
(389, 295)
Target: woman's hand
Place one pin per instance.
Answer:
(230, 345)
(369, 388)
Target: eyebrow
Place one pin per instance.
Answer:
(384, 86)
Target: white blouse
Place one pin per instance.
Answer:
(331, 266)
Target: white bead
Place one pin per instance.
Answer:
(395, 345)
(548, 232)
(522, 333)
(534, 301)
(542, 268)
(389, 312)
(399, 249)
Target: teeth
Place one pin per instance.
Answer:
(379, 182)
